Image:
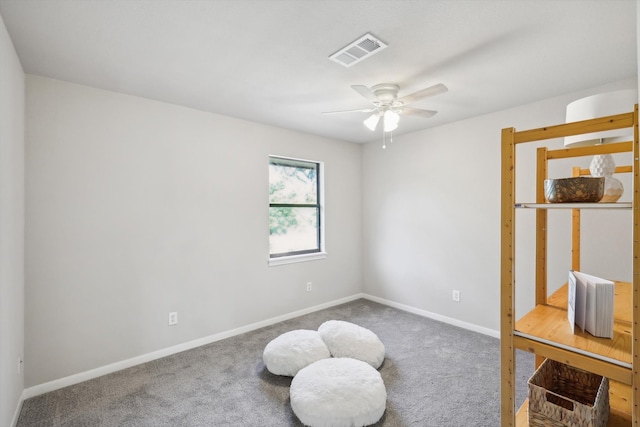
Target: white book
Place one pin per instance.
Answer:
(571, 301)
(590, 304)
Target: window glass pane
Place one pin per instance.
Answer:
(293, 182)
(293, 230)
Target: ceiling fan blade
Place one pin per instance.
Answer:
(362, 110)
(430, 91)
(365, 92)
(418, 112)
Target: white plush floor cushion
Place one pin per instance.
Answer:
(294, 350)
(346, 339)
(338, 392)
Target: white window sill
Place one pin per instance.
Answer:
(297, 258)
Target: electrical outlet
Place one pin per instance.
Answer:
(456, 296)
(173, 318)
(309, 286)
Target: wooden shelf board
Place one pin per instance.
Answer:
(522, 416)
(619, 401)
(549, 324)
(622, 304)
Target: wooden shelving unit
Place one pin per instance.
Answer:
(545, 330)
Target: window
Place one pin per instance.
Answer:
(295, 210)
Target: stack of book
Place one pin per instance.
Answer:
(590, 304)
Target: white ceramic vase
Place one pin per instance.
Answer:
(604, 165)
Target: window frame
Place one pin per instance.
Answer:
(308, 254)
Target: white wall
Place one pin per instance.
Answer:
(11, 228)
(136, 208)
(431, 204)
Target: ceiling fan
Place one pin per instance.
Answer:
(389, 107)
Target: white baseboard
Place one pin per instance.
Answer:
(434, 316)
(117, 366)
(16, 414)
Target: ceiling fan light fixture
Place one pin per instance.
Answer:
(391, 119)
(387, 106)
(372, 122)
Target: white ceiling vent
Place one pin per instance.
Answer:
(360, 49)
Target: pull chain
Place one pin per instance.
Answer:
(384, 139)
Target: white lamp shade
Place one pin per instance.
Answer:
(372, 122)
(391, 119)
(604, 104)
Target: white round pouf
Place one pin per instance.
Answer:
(345, 339)
(294, 350)
(338, 392)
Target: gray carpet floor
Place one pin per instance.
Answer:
(436, 375)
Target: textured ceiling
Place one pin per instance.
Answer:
(267, 60)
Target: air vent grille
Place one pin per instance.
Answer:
(360, 49)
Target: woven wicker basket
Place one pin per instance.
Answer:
(563, 396)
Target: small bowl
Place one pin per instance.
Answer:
(581, 189)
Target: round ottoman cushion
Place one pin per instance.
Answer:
(338, 392)
(294, 350)
(346, 339)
